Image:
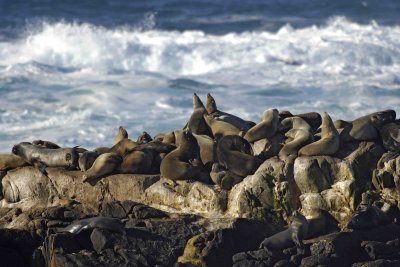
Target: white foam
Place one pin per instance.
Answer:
(76, 83)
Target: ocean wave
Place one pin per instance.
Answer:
(338, 46)
(76, 83)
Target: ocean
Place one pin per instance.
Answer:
(72, 72)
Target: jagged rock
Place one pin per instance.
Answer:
(268, 147)
(336, 185)
(160, 243)
(28, 187)
(145, 212)
(270, 193)
(186, 197)
(217, 247)
(17, 246)
(314, 174)
(345, 247)
(379, 250)
(378, 263)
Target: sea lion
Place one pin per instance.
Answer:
(183, 162)
(123, 147)
(299, 135)
(390, 135)
(329, 142)
(266, 128)
(365, 127)
(312, 118)
(294, 235)
(366, 217)
(105, 164)
(101, 150)
(136, 162)
(220, 128)
(144, 138)
(196, 123)
(321, 223)
(46, 144)
(223, 177)
(121, 134)
(10, 162)
(235, 154)
(144, 158)
(86, 160)
(34, 154)
(111, 224)
(212, 110)
(208, 150)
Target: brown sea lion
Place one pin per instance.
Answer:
(196, 123)
(223, 177)
(123, 147)
(136, 162)
(300, 134)
(144, 138)
(105, 164)
(10, 162)
(329, 142)
(184, 162)
(312, 118)
(266, 128)
(45, 143)
(294, 235)
(239, 123)
(121, 134)
(144, 158)
(86, 160)
(236, 155)
(208, 150)
(365, 127)
(101, 150)
(220, 128)
(366, 217)
(34, 154)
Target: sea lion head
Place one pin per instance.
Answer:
(364, 217)
(211, 106)
(383, 117)
(197, 102)
(72, 157)
(270, 113)
(144, 138)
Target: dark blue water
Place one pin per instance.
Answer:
(214, 17)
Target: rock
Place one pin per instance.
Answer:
(379, 250)
(345, 247)
(314, 174)
(378, 263)
(145, 212)
(100, 239)
(217, 247)
(269, 194)
(186, 197)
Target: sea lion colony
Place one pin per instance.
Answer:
(214, 146)
(218, 148)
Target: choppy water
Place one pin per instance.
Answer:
(72, 73)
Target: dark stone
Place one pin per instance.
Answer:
(54, 213)
(19, 242)
(113, 209)
(11, 257)
(378, 263)
(145, 212)
(101, 239)
(285, 263)
(379, 250)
